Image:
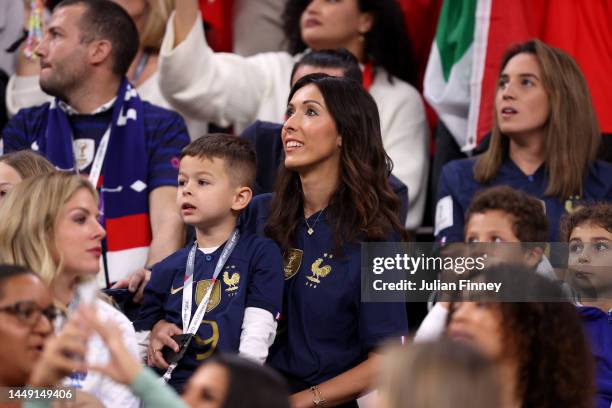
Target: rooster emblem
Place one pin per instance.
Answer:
(570, 204)
(319, 271)
(231, 281)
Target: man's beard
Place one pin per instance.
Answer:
(54, 87)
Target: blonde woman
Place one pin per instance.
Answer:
(442, 374)
(150, 16)
(50, 225)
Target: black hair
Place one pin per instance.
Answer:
(339, 58)
(104, 19)
(387, 44)
(10, 271)
(250, 384)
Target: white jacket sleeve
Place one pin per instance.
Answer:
(110, 393)
(220, 87)
(24, 92)
(405, 135)
(258, 333)
(432, 327)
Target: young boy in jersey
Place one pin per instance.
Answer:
(214, 185)
(588, 231)
(515, 227)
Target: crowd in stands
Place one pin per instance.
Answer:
(184, 227)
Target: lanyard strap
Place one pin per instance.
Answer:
(194, 323)
(96, 167)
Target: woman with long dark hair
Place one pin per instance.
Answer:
(226, 88)
(544, 140)
(332, 194)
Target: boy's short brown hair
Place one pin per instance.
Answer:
(599, 214)
(530, 223)
(238, 154)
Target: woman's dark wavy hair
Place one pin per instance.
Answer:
(546, 338)
(364, 207)
(387, 44)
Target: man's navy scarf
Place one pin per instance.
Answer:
(123, 181)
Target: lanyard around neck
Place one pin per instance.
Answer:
(191, 325)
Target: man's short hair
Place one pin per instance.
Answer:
(337, 58)
(10, 271)
(529, 219)
(599, 214)
(238, 154)
(104, 19)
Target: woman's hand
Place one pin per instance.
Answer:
(161, 336)
(62, 355)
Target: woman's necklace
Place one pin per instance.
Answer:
(310, 229)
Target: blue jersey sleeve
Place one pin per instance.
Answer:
(265, 290)
(167, 136)
(15, 135)
(449, 217)
(155, 295)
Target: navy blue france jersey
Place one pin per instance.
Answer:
(598, 328)
(325, 329)
(251, 277)
(457, 187)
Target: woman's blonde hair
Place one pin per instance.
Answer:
(29, 215)
(442, 374)
(572, 134)
(27, 163)
(153, 32)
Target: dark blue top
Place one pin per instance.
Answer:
(326, 329)
(598, 327)
(165, 133)
(251, 277)
(266, 140)
(457, 182)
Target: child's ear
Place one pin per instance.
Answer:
(532, 257)
(242, 198)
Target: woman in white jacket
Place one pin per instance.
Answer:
(230, 89)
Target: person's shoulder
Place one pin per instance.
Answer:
(255, 215)
(158, 114)
(460, 167)
(175, 260)
(257, 247)
(598, 183)
(252, 240)
(261, 201)
(262, 132)
(603, 169)
(33, 114)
